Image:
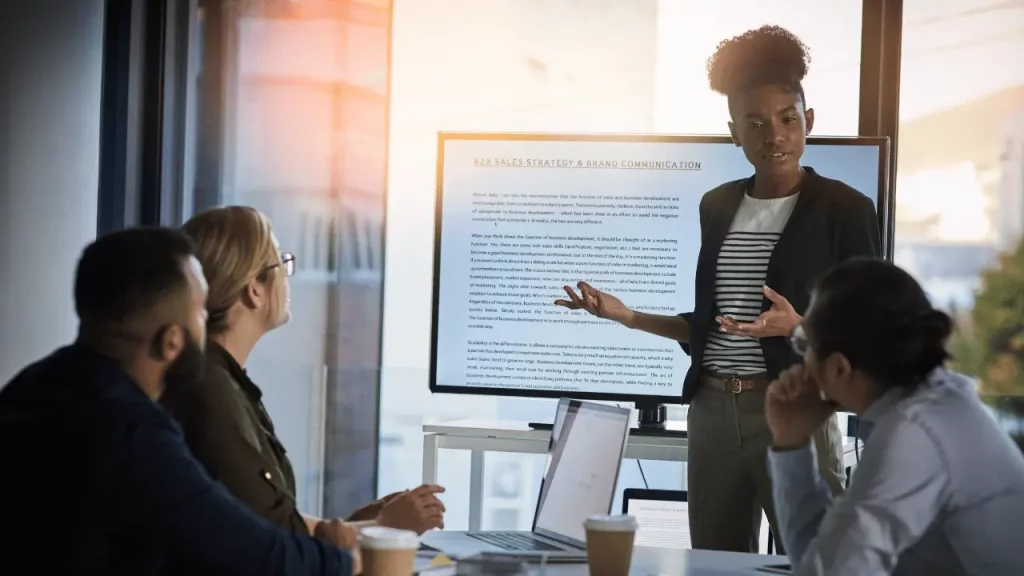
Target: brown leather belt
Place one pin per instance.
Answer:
(737, 384)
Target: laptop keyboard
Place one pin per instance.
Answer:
(514, 542)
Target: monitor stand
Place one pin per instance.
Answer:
(651, 416)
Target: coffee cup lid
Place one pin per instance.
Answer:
(383, 538)
(606, 523)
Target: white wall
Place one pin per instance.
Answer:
(689, 31)
(501, 65)
(50, 78)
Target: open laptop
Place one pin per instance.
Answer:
(587, 444)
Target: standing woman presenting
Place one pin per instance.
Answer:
(765, 241)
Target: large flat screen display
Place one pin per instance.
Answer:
(519, 216)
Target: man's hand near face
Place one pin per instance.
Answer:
(795, 409)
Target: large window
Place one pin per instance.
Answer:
(536, 65)
(291, 118)
(960, 187)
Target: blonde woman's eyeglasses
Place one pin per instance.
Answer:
(287, 261)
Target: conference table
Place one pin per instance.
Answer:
(665, 562)
(480, 436)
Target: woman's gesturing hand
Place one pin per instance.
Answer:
(598, 303)
(418, 510)
(372, 510)
(779, 320)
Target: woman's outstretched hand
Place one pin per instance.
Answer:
(779, 320)
(598, 303)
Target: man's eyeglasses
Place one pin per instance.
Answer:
(287, 261)
(798, 341)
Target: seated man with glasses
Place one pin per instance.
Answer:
(940, 486)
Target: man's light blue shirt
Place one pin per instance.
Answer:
(939, 490)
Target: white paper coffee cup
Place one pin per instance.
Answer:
(387, 551)
(610, 544)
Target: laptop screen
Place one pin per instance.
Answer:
(587, 444)
(663, 523)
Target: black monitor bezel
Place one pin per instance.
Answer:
(652, 496)
(885, 208)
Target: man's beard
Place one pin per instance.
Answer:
(187, 368)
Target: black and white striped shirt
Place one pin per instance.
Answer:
(739, 279)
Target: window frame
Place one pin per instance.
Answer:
(881, 50)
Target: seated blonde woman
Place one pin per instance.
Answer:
(225, 424)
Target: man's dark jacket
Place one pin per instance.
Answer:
(97, 479)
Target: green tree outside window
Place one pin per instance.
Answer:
(989, 342)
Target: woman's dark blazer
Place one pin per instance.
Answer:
(228, 429)
(831, 222)
(230, 432)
